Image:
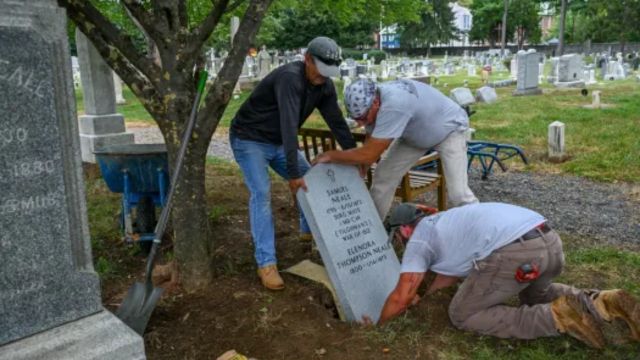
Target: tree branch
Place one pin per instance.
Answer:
(220, 92)
(200, 34)
(117, 51)
(99, 29)
(143, 19)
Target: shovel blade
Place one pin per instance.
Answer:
(137, 307)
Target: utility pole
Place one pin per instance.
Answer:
(504, 27)
(563, 14)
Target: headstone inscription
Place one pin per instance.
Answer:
(527, 75)
(352, 241)
(49, 293)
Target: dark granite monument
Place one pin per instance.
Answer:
(47, 281)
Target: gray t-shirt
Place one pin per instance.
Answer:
(416, 112)
(448, 243)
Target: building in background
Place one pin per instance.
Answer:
(547, 17)
(462, 18)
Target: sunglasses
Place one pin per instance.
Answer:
(330, 62)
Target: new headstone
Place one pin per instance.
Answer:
(556, 141)
(100, 126)
(486, 94)
(352, 241)
(570, 71)
(527, 79)
(50, 304)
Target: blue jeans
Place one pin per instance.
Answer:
(254, 158)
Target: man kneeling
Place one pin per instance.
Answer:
(500, 250)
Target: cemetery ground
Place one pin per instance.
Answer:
(235, 312)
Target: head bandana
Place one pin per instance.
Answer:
(358, 97)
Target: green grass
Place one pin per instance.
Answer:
(424, 330)
(602, 144)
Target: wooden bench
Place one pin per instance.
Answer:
(413, 184)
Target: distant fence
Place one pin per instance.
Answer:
(550, 50)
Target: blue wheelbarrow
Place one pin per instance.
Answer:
(140, 172)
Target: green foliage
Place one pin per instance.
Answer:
(373, 54)
(435, 26)
(523, 17)
(487, 17)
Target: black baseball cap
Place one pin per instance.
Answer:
(326, 54)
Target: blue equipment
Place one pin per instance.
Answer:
(489, 153)
(141, 173)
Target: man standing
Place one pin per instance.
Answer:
(264, 133)
(500, 250)
(419, 118)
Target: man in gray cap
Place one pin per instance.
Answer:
(264, 133)
(500, 250)
(419, 118)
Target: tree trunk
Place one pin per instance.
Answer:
(189, 210)
(503, 37)
(563, 16)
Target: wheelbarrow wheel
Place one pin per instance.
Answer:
(145, 221)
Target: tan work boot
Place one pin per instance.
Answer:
(571, 317)
(612, 304)
(270, 277)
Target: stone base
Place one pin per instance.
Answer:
(99, 336)
(101, 124)
(524, 92)
(569, 84)
(89, 143)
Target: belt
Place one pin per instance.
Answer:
(535, 233)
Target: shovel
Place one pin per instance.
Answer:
(141, 299)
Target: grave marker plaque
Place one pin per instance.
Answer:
(352, 241)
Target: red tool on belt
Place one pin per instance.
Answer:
(527, 272)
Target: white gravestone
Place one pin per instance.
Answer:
(352, 241)
(486, 94)
(570, 71)
(117, 87)
(556, 141)
(462, 96)
(527, 77)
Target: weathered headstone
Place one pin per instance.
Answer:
(486, 94)
(352, 241)
(527, 77)
(100, 126)
(462, 96)
(117, 86)
(49, 293)
(570, 71)
(556, 141)
(264, 63)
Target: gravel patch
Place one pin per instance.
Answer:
(573, 205)
(218, 147)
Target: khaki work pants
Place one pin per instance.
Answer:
(479, 303)
(402, 156)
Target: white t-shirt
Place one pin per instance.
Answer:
(448, 242)
(418, 113)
